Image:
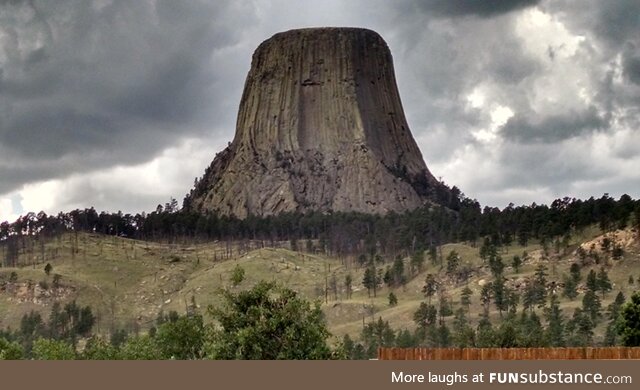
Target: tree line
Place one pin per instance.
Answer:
(340, 233)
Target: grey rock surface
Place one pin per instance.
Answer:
(320, 127)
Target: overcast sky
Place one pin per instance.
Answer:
(121, 104)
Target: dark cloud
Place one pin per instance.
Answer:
(632, 69)
(553, 128)
(617, 21)
(484, 9)
(116, 78)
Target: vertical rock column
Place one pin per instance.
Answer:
(320, 127)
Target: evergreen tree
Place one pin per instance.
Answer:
(603, 282)
(487, 250)
(348, 288)
(444, 336)
(453, 261)
(540, 283)
(444, 308)
(430, 287)
(513, 300)
(465, 297)
(371, 280)
(353, 351)
(237, 276)
(569, 289)
(574, 271)
(531, 332)
(377, 334)
(405, 339)
(393, 299)
(486, 335)
(555, 332)
(581, 327)
(500, 294)
(496, 265)
(614, 308)
(463, 334)
(611, 334)
(629, 325)
(425, 316)
(516, 263)
(433, 255)
(592, 281)
(591, 305)
(507, 335)
(417, 262)
(485, 296)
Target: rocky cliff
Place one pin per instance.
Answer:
(320, 127)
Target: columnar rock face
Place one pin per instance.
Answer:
(320, 127)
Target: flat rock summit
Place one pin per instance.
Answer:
(320, 128)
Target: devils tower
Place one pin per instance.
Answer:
(320, 127)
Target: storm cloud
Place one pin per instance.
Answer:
(84, 85)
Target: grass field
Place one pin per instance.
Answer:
(127, 282)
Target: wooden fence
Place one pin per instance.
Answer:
(508, 353)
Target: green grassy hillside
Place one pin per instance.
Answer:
(127, 282)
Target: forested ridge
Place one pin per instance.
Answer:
(344, 233)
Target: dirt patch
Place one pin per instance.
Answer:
(36, 293)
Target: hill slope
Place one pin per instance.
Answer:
(128, 282)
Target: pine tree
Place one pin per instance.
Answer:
(417, 262)
(465, 297)
(629, 325)
(405, 339)
(614, 308)
(513, 300)
(485, 296)
(592, 281)
(430, 287)
(574, 271)
(603, 282)
(540, 283)
(368, 279)
(531, 330)
(397, 272)
(516, 263)
(453, 261)
(425, 316)
(393, 299)
(554, 333)
(463, 334)
(569, 289)
(486, 335)
(583, 326)
(444, 336)
(496, 265)
(500, 294)
(591, 305)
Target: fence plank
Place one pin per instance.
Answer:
(605, 353)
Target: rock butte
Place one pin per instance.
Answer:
(320, 127)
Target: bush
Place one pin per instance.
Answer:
(48, 349)
(10, 350)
